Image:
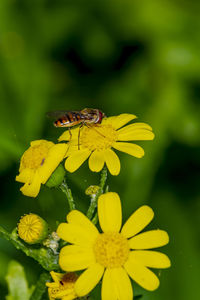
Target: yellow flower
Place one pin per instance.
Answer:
(96, 142)
(113, 254)
(62, 287)
(38, 163)
(32, 229)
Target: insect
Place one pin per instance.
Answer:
(87, 116)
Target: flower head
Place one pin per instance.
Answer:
(32, 229)
(115, 254)
(96, 142)
(62, 287)
(38, 163)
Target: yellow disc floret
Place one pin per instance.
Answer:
(111, 250)
(98, 137)
(32, 229)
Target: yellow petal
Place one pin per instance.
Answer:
(55, 156)
(88, 279)
(116, 281)
(149, 239)
(137, 125)
(72, 148)
(129, 148)
(56, 276)
(75, 258)
(151, 259)
(39, 142)
(119, 121)
(66, 136)
(69, 297)
(142, 275)
(137, 221)
(76, 217)
(110, 212)
(75, 234)
(74, 161)
(108, 288)
(26, 175)
(72, 296)
(135, 134)
(52, 284)
(32, 189)
(112, 161)
(96, 161)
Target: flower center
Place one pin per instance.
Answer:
(111, 250)
(35, 156)
(98, 137)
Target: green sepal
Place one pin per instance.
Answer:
(56, 177)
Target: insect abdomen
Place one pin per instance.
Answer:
(68, 120)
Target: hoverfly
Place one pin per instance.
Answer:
(69, 119)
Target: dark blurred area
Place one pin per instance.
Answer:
(120, 56)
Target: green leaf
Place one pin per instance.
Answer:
(17, 283)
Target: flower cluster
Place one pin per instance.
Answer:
(117, 253)
(94, 142)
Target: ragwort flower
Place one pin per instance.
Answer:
(38, 163)
(114, 255)
(96, 142)
(62, 287)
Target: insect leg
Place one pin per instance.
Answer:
(79, 132)
(70, 137)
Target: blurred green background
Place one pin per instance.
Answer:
(121, 56)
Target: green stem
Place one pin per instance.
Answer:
(66, 190)
(44, 256)
(40, 286)
(94, 199)
(95, 219)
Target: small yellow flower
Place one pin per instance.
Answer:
(113, 254)
(38, 163)
(96, 142)
(62, 287)
(32, 229)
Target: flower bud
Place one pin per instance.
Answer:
(32, 229)
(56, 177)
(92, 190)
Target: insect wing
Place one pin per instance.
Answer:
(57, 114)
